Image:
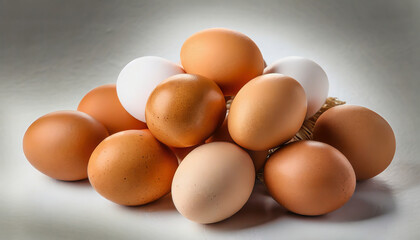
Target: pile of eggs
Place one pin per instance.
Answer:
(166, 128)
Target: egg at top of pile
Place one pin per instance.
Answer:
(227, 57)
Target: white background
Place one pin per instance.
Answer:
(53, 52)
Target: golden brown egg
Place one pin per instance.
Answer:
(102, 104)
(184, 110)
(267, 112)
(222, 135)
(364, 137)
(225, 56)
(309, 178)
(59, 144)
(132, 168)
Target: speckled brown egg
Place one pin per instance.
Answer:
(364, 137)
(309, 178)
(267, 112)
(222, 135)
(184, 110)
(227, 57)
(102, 104)
(132, 168)
(59, 144)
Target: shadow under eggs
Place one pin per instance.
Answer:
(261, 208)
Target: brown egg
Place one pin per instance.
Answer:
(59, 144)
(102, 104)
(227, 57)
(222, 135)
(364, 137)
(184, 110)
(267, 112)
(132, 168)
(309, 178)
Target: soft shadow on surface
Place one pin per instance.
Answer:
(80, 183)
(259, 209)
(372, 198)
(163, 204)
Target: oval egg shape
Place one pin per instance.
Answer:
(213, 182)
(227, 57)
(309, 178)
(267, 112)
(363, 136)
(59, 144)
(184, 110)
(132, 168)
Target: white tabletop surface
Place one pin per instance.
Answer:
(53, 52)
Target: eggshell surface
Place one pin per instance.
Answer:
(363, 136)
(213, 182)
(309, 74)
(59, 144)
(267, 112)
(185, 109)
(138, 79)
(222, 135)
(227, 57)
(102, 103)
(132, 168)
(309, 178)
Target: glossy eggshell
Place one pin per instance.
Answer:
(363, 136)
(267, 112)
(222, 135)
(59, 144)
(225, 56)
(213, 182)
(309, 178)
(132, 168)
(309, 74)
(184, 110)
(102, 103)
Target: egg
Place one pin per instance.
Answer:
(222, 135)
(138, 79)
(213, 182)
(181, 153)
(102, 104)
(59, 144)
(309, 178)
(363, 136)
(267, 112)
(227, 57)
(184, 110)
(132, 168)
(309, 74)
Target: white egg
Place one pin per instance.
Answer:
(309, 74)
(138, 79)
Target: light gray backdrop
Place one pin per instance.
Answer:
(53, 52)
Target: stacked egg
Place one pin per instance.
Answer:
(166, 128)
